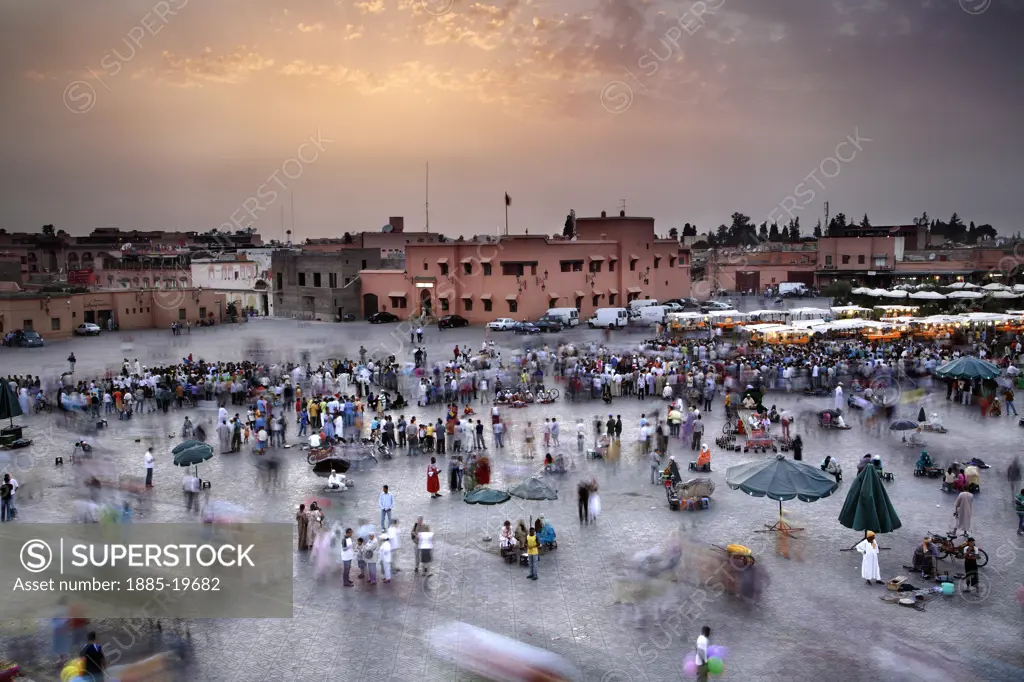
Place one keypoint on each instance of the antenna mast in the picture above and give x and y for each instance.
(292, 195)
(826, 218)
(623, 206)
(428, 197)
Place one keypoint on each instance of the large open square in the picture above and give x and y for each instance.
(815, 619)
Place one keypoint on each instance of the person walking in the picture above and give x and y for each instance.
(433, 482)
(348, 553)
(583, 502)
(698, 433)
(1008, 399)
(387, 503)
(1018, 503)
(149, 461)
(701, 658)
(385, 558)
(71, 363)
(394, 536)
(869, 564)
(371, 558)
(6, 499)
(532, 552)
(655, 461)
(963, 510)
(970, 565)
(499, 434)
(415, 534)
(555, 428)
(425, 543)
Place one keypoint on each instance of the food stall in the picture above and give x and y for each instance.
(809, 314)
(765, 316)
(686, 322)
(727, 319)
(934, 327)
(845, 312)
(778, 334)
(890, 311)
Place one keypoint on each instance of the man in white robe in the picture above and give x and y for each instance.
(869, 564)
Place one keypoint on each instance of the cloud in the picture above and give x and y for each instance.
(370, 6)
(209, 68)
(311, 28)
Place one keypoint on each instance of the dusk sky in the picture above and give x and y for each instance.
(171, 115)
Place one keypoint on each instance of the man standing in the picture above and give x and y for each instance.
(387, 502)
(385, 558)
(698, 433)
(416, 540)
(532, 553)
(554, 432)
(347, 554)
(6, 498)
(702, 654)
(394, 536)
(371, 558)
(148, 460)
(71, 362)
(93, 658)
(583, 502)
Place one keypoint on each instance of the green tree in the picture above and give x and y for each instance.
(817, 230)
(865, 223)
(762, 233)
(794, 231)
(673, 234)
(773, 233)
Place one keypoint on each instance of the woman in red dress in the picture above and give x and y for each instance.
(433, 482)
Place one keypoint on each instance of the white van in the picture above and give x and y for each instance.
(569, 317)
(608, 318)
(641, 303)
(648, 316)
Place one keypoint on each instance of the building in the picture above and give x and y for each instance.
(612, 260)
(55, 316)
(392, 240)
(243, 277)
(321, 286)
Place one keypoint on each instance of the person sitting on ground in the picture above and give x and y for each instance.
(949, 479)
(973, 476)
(925, 556)
(773, 415)
(520, 533)
(545, 533)
(186, 428)
(840, 422)
(876, 461)
(826, 418)
(548, 461)
(924, 462)
(960, 483)
(314, 440)
(506, 539)
(704, 458)
(335, 481)
(864, 461)
(831, 465)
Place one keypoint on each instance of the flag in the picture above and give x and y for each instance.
(508, 199)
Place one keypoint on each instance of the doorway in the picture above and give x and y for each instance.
(90, 316)
(426, 305)
(369, 304)
(265, 305)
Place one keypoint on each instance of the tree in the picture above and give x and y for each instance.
(773, 233)
(722, 235)
(347, 238)
(987, 232)
(785, 233)
(762, 233)
(794, 231)
(865, 224)
(673, 234)
(48, 230)
(817, 230)
(689, 230)
(923, 220)
(837, 225)
(972, 234)
(569, 230)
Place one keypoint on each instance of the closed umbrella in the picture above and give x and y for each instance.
(781, 479)
(967, 368)
(9, 406)
(533, 489)
(486, 496)
(867, 506)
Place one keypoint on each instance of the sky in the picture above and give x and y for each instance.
(320, 116)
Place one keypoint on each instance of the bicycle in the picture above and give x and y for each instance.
(42, 406)
(948, 546)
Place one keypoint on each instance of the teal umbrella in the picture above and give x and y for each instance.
(867, 505)
(534, 489)
(968, 368)
(9, 405)
(781, 479)
(185, 445)
(486, 496)
(192, 456)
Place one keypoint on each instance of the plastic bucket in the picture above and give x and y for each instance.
(947, 589)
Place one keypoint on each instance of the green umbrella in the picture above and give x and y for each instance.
(487, 496)
(781, 479)
(867, 505)
(967, 368)
(534, 489)
(192, 456)
(185, 445)
(9, 405)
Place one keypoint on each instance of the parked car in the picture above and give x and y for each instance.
(452, 321)
(382, 318)
(547, 324)
(525, 328)
(711, 306)
(348, 317)
(28, 339)
(87, 329)
(502, 324)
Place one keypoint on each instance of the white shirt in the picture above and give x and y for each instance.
(385, 552)
(702, 650)
(149, 459)
(394, 537)
(314, 440)
(334, 479)
(426, 540)
(14, 486)
(348, 552)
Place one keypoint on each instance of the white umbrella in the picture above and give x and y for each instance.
(1018, 288)
(995, 286)
(1004, 294)
(929, 295)
(963, 285)
(965, 294)
(860, 291)
(895, 294)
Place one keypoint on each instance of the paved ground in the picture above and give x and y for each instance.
(817, 617)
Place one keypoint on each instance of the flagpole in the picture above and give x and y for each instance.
(506, 215)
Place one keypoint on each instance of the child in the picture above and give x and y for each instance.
(246, 435)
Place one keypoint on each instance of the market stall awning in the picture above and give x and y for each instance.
(928, 295)
(596, 257)
(485, 297)
(634, 290)
(397, 294)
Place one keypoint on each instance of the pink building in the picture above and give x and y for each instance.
(612, 261)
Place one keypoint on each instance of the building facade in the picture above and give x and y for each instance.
(612, 261)
(319, 286)
(244, 278)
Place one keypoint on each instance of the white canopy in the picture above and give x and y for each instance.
(809, 313)
(963, 285)
(685, 316)
(765, 313)
(1004, 294)
(964, 294)
(762, 328)
(895, 293)
(849, 309)
(727, 313)
(806, 324)
(1019, 288)
(905, 308)
(860, 291)
(995, 286)
(928, 295)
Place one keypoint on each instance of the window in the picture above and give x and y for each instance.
(657, 262)
(597, 300)
(279, 277)
(133, 311)
(348, 280)
(55, 323)
(846, 260)
(595, 266)
(445, 305)
(533, 269)
(828, 260)
(74, 315)
(579, 303)
(611, 299)
(444, 268)
(611, 265)
(316, 279)
(467, 305)
(302, 279)
(572, 266)
(398, 302)
(424, 265)
(363, 267)
(512, 269)
(632, 264)
(202, 313)
(181, 313)
(487, 305)
(27, 324)
(513, 306)
(487, 269)
(332, 280)
(671, 261)
(860, 259)
(880, 261)
(467, 268)
(236, 274)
